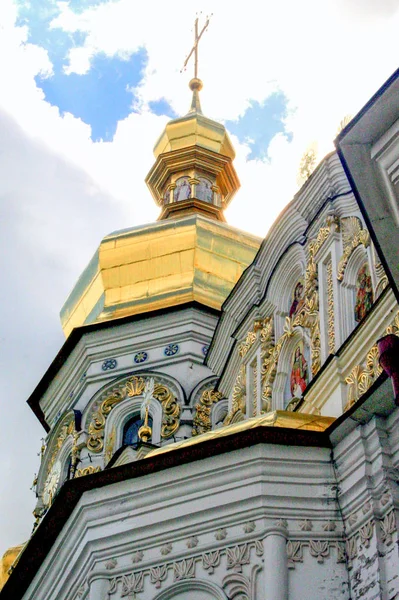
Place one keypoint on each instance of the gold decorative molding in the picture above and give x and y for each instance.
(66, 430)
(133, 387)
(330, 308)
(87, 471)
(202, 417)
(239, 396)
(363, 376)
(110, 446)
(353, 235)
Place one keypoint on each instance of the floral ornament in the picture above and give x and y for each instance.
(166, 549)
(221, 534)
(158, 574)
(137, 556)
(171, 349)
(211, 560)
(109, 364)
(140, 357)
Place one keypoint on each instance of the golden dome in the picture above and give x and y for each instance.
(7, 561)
(197, 149)
(167, 263)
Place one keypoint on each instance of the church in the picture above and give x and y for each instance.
(222, 420)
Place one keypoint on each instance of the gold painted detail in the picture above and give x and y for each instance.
(278, 418)
(308, 316)
(66, 430)
(110, 446)
(255, 389)
(203, 409)
(332, 225)
(330, 308)
(353, 235)
(133, 387)
(87, 471)
(363, 376)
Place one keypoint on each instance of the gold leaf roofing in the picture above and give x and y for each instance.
(156, 266)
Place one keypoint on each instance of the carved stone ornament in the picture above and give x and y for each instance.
(132, 584)
(362, 377)
(351, 550)
(221, 534)
(319, 549)
(134, 386)
(238, 398)
(329, 526)
(388, 528)
(259, 550)
(111, 564)
(249, 527)
(166, 549)
(305, 525)
(237, 556)
(202, 415)
(294, 553)
(184, 569)
(341, 553)
(366, 533)
(192, 542)
(137, 556)
(158, 574)
(353, 235)
(211, 560)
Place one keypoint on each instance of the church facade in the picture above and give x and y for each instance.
(219, 425)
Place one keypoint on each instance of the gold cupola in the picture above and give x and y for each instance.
(190, 254)
(193, 170)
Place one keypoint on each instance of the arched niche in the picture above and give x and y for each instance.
(285, 366)
(58, 448)
(202, 398)
(191, 589)
(289, 271)
(359, 257)
(219, 413)
(119, 400)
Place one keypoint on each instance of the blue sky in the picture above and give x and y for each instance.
(106, 94)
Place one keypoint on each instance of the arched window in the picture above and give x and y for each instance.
(182, 190)
(131, 430)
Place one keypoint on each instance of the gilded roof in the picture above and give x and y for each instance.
(277, 418)
(159, 265)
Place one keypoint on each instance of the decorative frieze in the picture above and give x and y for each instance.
(211, 560)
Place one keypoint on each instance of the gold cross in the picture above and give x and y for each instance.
(194, 49)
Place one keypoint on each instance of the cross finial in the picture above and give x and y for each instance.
(194, 49)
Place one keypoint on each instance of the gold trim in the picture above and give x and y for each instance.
(363, 376)
(278, 418)
(353, 235)
(87, 471)
(203, 409)
(330, 308)
(133, 387)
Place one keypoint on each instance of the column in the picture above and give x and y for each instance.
(275, 563)
(99, 588)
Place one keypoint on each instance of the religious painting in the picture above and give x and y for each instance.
(182, 190)
(166, 196)
(297, 298)
(364, 293)
(204, 190)
(299, 372)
